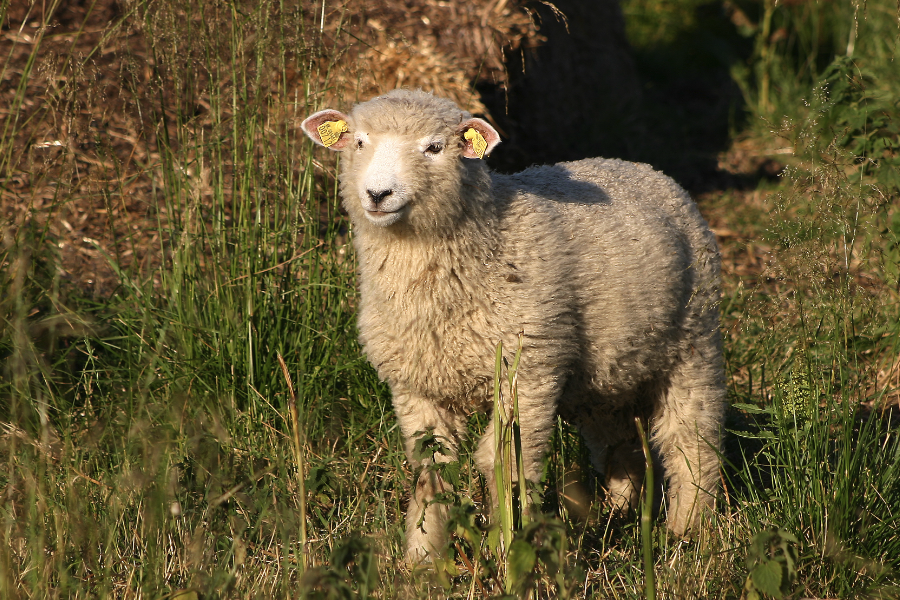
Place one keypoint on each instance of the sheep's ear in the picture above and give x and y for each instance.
(329, 128)
(477, 137)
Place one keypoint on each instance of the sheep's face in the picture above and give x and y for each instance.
(402, 156)
(389, 168)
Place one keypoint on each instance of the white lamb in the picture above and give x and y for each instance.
(606, 266)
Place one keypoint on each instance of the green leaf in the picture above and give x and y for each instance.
(426, 446)
(462, 522)
(522, 559)
(752, 408)
(319, 480)
(449, 472)
(445, 569)
(493, 538)
(750, 435)
(767, 577)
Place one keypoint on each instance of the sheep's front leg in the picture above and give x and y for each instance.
(430, 433)
(537, 413)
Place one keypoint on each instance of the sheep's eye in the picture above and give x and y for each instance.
(434, 148)
(359, 144)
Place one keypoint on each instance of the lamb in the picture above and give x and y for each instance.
(605, 267)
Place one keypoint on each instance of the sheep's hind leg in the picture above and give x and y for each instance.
(435, 431)
(686, 433)
(610, 435)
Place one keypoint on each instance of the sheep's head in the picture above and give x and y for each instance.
(403, 155)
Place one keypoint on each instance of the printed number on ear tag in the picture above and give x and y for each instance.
(330, 132)
(479, 145)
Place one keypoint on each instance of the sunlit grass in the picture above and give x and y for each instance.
(147, 437)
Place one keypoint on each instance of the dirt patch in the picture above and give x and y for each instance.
(103, 101)
(83, 134)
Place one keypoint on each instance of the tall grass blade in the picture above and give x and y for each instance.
(647, 516)
(298, 446)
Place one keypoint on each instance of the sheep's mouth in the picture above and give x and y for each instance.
(385, 218)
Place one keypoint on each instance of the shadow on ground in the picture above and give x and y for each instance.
(586, 92)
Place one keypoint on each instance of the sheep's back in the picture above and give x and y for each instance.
(638, 271)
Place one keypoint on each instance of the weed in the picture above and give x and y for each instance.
(772, 560)
(184, 409)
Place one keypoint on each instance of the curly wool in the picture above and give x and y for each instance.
(605, 267)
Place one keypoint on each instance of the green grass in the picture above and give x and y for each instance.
(146, 433)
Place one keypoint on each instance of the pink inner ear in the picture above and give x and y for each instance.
(311, 123)
(489, 134)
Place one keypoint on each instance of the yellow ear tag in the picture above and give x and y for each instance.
(330, 132)
(478, 143)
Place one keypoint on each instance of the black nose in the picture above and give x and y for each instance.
(378, 196)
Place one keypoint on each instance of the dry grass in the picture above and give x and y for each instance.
(86, 132)
(151, 456)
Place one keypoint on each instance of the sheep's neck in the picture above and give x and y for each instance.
(430, 299)
(406, 270)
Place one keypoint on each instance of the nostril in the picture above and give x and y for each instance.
(378, 196)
